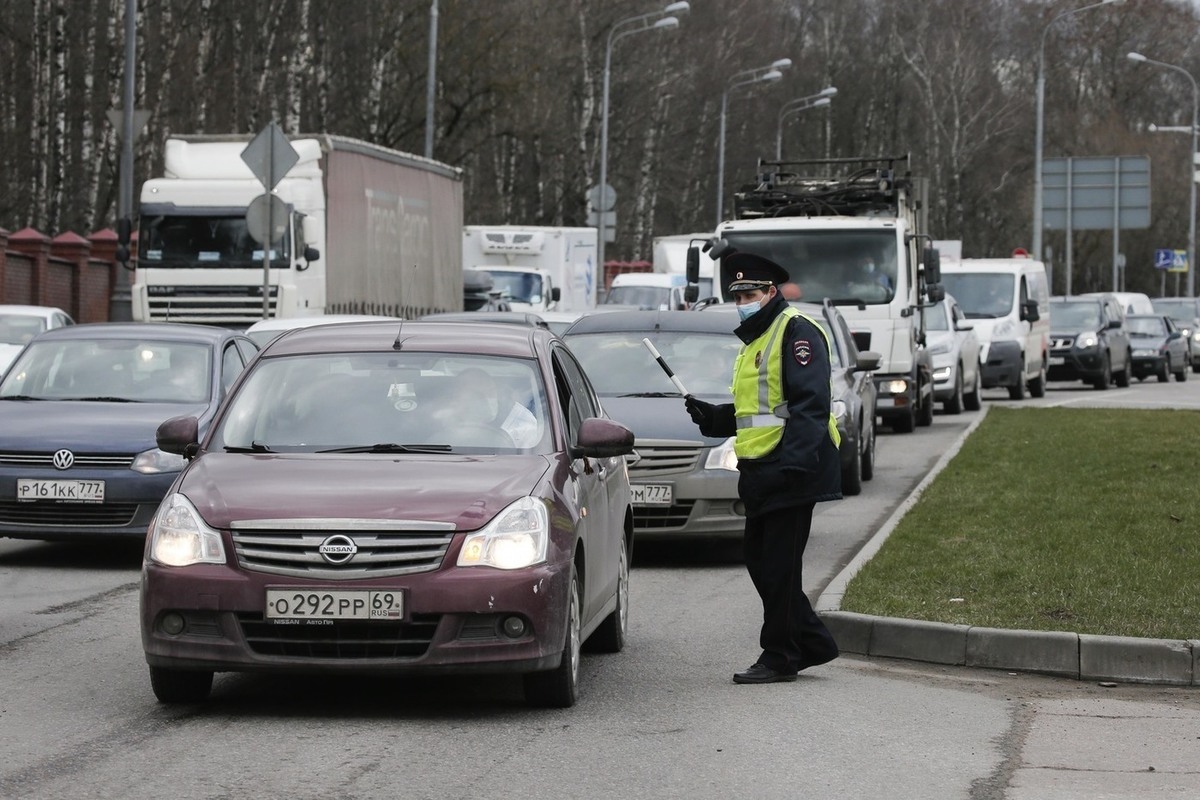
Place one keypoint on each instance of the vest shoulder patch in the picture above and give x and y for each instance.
(802, 350)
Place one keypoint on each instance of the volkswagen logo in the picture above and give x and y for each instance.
(338, 549)
(64, 459)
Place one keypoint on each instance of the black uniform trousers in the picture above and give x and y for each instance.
(793, 636)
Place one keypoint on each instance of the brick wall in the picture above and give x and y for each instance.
(69, 271)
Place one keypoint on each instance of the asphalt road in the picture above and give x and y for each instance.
(661, 720)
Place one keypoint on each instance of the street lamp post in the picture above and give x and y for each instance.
(1041, 101)
(767, 74)
(431, 78)
(1191, 170)
(821, 98)
(655, 20)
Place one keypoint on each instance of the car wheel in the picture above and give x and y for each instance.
(1196, 367)
(925, 411)
(610, 636)
(180, 686)
(1164, 371)
(852, 472)
(973, 400)
(1017, 390)
(1122, 377)
(955, 404)
(906, 422)
(868, 457)
(1105, 379)
(1037, 386)
(559, 687)
(1181, 375)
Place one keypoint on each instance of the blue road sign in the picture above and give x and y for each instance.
(1164, 259)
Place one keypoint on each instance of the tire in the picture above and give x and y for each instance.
(1105, 379)
(868, 457)
(180, 686)
(1196, 367)
(1122, 377)
(955, 404)
(905, 423)
(1181, 375)
(852, 474)
(610, 637)
(1017, 390)
(924, 413)
(1037, 386)
(973, 400)
(559, 687)
(1164, 372)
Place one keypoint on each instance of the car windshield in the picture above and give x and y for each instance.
(935, 318)
(20, 328)
(204, 241)
(619, 364)
(113, 370)
(520, 287)
(651, 298)
(981, 295)
(1075, 316)
(1146, 326)
(1183, 311)
(389, 402)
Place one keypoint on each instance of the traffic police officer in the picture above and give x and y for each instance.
(787, 448)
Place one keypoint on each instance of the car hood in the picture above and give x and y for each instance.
(659, 417)
(1065, 333)
(47, 425)
(465, 490)
(1146, 342)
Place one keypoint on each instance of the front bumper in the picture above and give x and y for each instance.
(1072, 364)
(891, 404)
(704, 502)
(130, 501)
(1147, 365)
(1005, 365)
(452, 622)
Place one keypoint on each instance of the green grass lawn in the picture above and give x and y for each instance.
(1053, 519)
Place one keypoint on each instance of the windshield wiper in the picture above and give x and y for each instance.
(651, 394)
(981, 315)
(850, 301)
(255, 447)
(391, 447)
(105, 399)
(21, 397)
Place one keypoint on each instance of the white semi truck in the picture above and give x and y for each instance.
(537, 268)
(855, 234)
(368, 230)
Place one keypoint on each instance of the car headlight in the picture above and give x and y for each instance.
(940, 348)
(722, 456)
(1005, 330)
(1086, 340)
(179, 537)
(152, 462)
(898, 386)
(516, 538)
(1196, 337)
(1145, 353)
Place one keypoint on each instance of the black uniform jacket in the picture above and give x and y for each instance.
(805, 466)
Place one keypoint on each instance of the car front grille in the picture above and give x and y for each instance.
(43, 459)
(1060, 344)
(659, 518)
(384, 547)
(39, 513)
(341, 640)
(657, 457)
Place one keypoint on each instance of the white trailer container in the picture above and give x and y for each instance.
(369, 231)
(539, 268)
(670, 257)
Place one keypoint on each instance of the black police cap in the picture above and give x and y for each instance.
(747, 271)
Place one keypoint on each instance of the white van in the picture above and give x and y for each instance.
(655, 291)
(1007, 300)
(1131, 302)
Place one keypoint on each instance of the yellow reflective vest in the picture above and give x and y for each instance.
(759, 406)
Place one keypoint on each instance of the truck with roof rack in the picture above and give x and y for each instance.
(367, 230)
(853, 230)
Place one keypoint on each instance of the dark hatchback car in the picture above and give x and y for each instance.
(1089, 342)
(78, 413)
(394, 498)
(1185, 311)
(1159, 347)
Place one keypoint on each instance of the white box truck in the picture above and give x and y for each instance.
(670, 257)
(538, 268)
(368, 230)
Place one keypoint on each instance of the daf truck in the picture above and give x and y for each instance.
(365, 230)
(852, 230)
(537, 268)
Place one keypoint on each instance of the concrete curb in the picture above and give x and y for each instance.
(1123, 659)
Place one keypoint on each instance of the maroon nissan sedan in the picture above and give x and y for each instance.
(394, 498)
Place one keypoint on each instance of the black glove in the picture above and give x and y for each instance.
(702, 413)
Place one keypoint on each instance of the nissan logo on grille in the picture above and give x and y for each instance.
(64, 459)
(338, 549)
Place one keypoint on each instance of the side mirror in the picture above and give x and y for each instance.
(693, 264)
(602, 438)
(933, 265)
(1029, 311)
(936, 292)
(868, 361)
(555, 294)
(691, 293)
(179, 435)
(311, 254)
(1113, 324)
(962, 325)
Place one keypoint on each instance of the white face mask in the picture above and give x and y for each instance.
(747, 310)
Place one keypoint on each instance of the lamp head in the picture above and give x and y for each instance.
(682, 7)
(666, 23)
(782, 63)
(828, 91)
(1138, 57)
(770, 77)
(824, 101)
